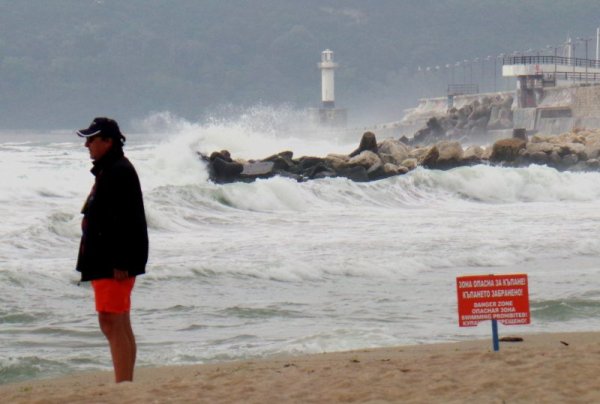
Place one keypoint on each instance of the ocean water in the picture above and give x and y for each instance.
(243, 271)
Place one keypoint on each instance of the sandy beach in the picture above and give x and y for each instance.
(544, 368)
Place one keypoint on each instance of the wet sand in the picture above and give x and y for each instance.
(543, 368)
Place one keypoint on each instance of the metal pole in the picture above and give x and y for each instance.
(471, 72)
(586, 40)
(495, 339)
(451, 72)
(482, 73)
(597, 46)
(495, 73)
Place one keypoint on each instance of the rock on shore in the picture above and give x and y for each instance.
(578, 150)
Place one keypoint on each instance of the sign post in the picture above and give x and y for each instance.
(495, 339)
(503, 298)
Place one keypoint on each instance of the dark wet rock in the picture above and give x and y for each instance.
(431, 133)
(539, 158)
(404, 140)
(223, 155)
(430, 159)
(307, 162)
(319, 170)
(367, 142)
(281, 161)
(226, 171)
(356, 173)
(569, 160)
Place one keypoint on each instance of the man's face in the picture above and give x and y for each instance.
(98, 146)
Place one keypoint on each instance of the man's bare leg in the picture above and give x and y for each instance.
(117, 329)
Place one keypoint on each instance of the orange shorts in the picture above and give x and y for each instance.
(113, 296)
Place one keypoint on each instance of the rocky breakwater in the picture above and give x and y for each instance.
(489, 113)
(578, 151)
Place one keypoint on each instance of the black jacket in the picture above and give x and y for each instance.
(115, 234)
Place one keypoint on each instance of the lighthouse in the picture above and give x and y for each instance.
(327, 67)
(328, 114)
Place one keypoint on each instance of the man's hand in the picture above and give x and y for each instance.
(120, 275)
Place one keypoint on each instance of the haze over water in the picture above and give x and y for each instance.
(248, 270)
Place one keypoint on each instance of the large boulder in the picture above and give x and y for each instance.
(306, 162)
(592, 150)
(223, 171)
(430, 159)
(410, 163)
(392, 169)
(393, 151)
(576, 149)
(569, 160)
(540, 147)
(367, 142)
(444, 155)
(539, 158)
(449, 151)
(313, 167)
(430, 133)
(281, 161)
(356, 173)
(593, 164)
(418, 153)
(507, 150)
(321, 171)
(473, 155)
(337, 161)
(366, 159)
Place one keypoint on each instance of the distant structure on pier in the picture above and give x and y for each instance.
(555, 93)
(328, 114)
(535, 73)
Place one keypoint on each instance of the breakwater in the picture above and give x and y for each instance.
(372, 160)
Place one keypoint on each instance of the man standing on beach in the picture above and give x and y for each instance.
(114, 242)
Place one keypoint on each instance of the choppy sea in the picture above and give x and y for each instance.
(250, 270)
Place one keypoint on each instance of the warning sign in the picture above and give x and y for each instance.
(493, 297)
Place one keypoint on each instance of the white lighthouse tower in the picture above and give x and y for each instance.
(328, 114)
(327, 67)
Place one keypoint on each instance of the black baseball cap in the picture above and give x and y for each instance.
(102, 126)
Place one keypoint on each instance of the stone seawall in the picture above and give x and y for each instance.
(561, 109)
(586, 102)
